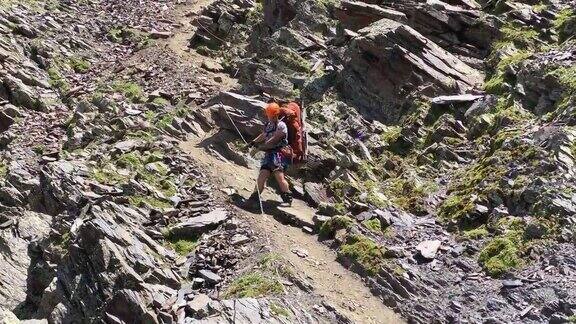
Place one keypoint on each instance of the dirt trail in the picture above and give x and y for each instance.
(178, 42)
(338, 286)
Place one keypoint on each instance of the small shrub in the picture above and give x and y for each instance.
(521, 36)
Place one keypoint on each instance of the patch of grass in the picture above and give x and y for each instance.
(141, 134)
(279, 310)
(182, 246)
(364, 251)
(128, 36)
(3, 169)
(338, 188)
(165, 121)
(456, 206)
(334, 224)
(567, 77)
(275, 264)
(408, 194)
(39, 149)
(254, 285)
(521, 36)
(80, 65)
(495, 83)
(538, 8)
(114, 35)
(130, 90)
(288, 58)
(57, 81)
(107, 175)
(373, 224)
(564, 22)
(476, 233)
(391, 134)
(161, 101)
(499, 256)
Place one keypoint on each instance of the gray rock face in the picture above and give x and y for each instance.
(389, 60)
(244, 111)
(15, 261)
(22, 95)
(278, 13)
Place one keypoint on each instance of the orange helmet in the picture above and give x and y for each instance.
(272, 110)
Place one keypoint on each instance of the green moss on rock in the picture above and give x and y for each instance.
(182, 246)
(499, 256)
(254, 285)
(80, 65)
(373, 225)
(130, 90)
(363, 251)
(334, 224)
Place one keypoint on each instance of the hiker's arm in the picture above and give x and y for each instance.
(258, 139)
(277, 137)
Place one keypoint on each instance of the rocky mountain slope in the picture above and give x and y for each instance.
(442, 143)
(442, 152)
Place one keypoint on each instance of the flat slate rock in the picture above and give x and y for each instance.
(428, 249)
(299, 214)
(198, 224)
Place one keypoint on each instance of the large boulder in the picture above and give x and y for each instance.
(245, 112)
(388, 61)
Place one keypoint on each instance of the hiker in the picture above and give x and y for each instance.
(274, 140)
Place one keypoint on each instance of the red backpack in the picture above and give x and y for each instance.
(291, 114)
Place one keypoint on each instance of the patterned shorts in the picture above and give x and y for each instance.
(274, 161)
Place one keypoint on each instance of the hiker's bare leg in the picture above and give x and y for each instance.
(262, 177)
(282, 182)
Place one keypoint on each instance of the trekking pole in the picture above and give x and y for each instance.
(242, 137)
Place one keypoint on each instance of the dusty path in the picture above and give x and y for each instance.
(336, 285)
(178, 42)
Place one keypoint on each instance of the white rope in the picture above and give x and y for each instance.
(242, 137)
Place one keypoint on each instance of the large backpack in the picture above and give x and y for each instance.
(291, 114)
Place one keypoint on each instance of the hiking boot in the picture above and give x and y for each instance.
(287, 198)
(252, 202)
